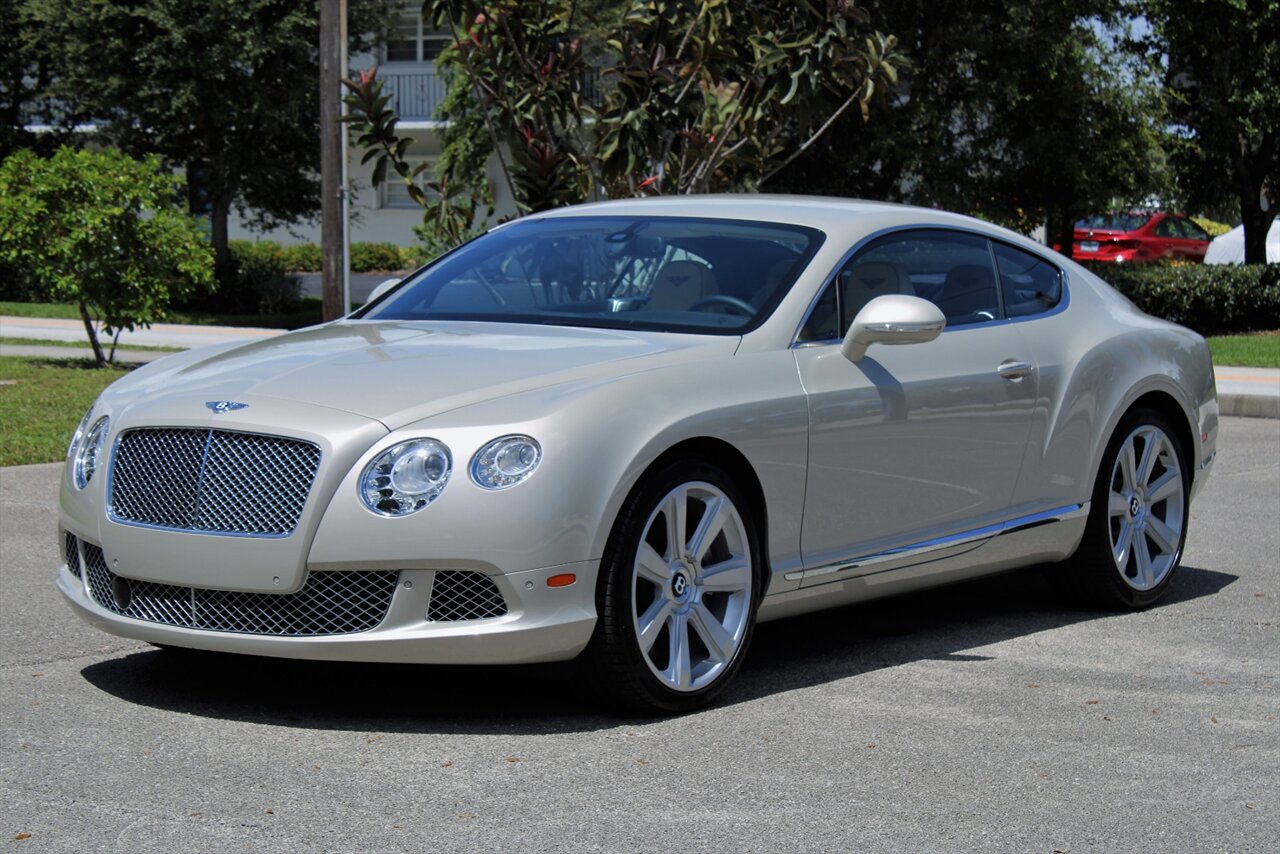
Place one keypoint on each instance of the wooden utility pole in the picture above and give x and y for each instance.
(332, 30)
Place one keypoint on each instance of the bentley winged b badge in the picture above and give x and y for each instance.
(221, 406)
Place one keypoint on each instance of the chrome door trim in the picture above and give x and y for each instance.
(909, 553)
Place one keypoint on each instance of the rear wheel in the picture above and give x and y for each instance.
(678, 591)
(1138, 520)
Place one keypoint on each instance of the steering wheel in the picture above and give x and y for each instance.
(738, 305)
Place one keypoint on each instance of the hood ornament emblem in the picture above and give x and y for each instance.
(221, 406)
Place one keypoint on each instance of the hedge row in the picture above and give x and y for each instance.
(306, 257)
(1209, 298)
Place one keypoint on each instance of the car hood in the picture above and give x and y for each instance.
(400, 372)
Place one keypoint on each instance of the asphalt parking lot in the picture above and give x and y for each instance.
(988, 716)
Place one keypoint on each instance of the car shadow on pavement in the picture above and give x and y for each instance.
(939, 624)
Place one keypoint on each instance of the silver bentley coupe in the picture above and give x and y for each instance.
(629, 431)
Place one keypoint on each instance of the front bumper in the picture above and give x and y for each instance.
(541, 624)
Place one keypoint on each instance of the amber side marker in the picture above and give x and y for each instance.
(562, 580)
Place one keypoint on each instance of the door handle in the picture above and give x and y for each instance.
(1012, 369)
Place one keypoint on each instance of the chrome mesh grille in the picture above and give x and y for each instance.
(464, 595)
(331, 603)
(218, 481)
(71, 552)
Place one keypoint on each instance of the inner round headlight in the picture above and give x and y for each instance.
(505, 462)
(406, 477)
(88, 454)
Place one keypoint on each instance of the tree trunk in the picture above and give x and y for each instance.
(1257, 223)
(93, 336)
(218, 231)
(1061, 229)
(1249, 164)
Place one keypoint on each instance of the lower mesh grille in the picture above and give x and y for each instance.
(71, 552)
(331, 603)
(464, 595)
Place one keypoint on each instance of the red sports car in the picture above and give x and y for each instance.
(1139, 236)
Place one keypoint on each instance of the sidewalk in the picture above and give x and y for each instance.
(1248, 392)
(159, 335)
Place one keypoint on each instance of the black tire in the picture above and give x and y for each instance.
(626, 673)
(1105, 582)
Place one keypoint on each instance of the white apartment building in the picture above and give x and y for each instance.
(406, 66)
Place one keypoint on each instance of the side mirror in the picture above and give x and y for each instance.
(382, 289)
(892, 319)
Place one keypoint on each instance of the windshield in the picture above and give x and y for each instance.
(673, 274)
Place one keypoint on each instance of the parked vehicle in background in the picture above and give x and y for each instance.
(1139, 236)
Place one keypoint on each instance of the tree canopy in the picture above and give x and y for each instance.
(227, 89)
(1025, 114)
(104, 231)
(1223, 76)
(692, 95)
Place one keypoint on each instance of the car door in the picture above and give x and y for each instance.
(1170, 243)
(915, 443)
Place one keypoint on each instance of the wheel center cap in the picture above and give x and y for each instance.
(1135, 505)
(680, 585)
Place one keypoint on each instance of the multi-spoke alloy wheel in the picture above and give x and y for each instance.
(1138, 521)
(1146, 508)
(691, 597)
(678, 590)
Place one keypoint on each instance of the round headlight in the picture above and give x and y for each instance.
(505, 462)
(88, 454)
(79, 434)
(406, 477)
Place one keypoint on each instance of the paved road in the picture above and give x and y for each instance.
(985, 717)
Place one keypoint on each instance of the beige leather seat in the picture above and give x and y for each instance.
(679, 284)
(865, 281)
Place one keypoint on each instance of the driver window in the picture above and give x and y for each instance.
(951, 269)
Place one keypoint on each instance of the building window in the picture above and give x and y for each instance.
(394, 194)
(413, 40)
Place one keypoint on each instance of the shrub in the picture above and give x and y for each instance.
(376, 257)
(302, 257)
(103, 231)
(1209, 298)
(365, 257)
(1215, 229)
(255, 281)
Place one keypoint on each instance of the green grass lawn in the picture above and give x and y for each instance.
(82, 345)
(311, 314)
(42, 401)
(1260, 350)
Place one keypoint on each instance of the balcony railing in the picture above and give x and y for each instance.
(415, 97)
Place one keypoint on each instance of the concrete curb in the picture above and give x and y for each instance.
(1249, 405)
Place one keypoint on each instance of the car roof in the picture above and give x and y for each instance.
(815, 211)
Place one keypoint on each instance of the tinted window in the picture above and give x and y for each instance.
(660, 273)
(1114, 221)
(1030, 285)
(1191, 231)
(951, 269)
(1168, 228)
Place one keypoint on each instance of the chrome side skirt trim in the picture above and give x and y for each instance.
(921, 549)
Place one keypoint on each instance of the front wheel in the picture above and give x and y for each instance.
(678, 591)
(1138, 521)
